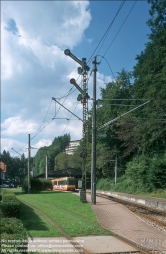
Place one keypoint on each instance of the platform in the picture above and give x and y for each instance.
(144, 200)
(113, 217)
(90, 244)
(118, 219)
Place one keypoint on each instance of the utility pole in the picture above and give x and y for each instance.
(16, 152)
(83, 97)
(29, 156)
(93, 167)
(46, 166)
(84, 132)
(116, 168)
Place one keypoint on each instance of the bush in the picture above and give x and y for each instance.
(10, 206)
(40, 184)
(25, 185)
(13, 236)
(7, 192)
(8, 198)
(37, 185)
(104, 184)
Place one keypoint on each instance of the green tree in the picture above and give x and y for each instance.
(58, 145)
(115, 100)
(145, 134)
(16, 167)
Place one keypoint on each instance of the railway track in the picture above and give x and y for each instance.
(67, 237)
(77, 247)
(155, 216)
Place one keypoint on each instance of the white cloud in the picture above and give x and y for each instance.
(50, 22)
(34, 68)
(15, 125)
(9, 143)
(42, 142)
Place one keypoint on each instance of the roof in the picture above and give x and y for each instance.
(2, 166)
(77, 173)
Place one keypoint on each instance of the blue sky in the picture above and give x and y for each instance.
(34, 35)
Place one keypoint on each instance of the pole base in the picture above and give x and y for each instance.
(83, 196)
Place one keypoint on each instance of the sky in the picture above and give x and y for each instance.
(34, 68)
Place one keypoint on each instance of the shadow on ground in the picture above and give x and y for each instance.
(30, 219)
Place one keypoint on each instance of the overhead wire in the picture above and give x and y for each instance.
(39, 131)
(70, 117)
(120, 27)
(43, 120)
(101, 41)
(108, 65)
(122, 3)
(22, 147)
(107, 31)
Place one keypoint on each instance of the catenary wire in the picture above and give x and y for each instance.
(115, 37)
(51, 120)
(108, 64)
(120, 27)
(43, 120)
(70, 118)
(112, 24)
(106, 33)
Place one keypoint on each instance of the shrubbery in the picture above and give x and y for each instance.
(104, 184)
(13, 236)
(142, 174)
(37, 185)
(10, 206)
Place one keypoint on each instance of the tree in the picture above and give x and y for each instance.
(150, 79)
(157, 20)
(145, 134)
(115, 100)
(58, 145)
(16, 167)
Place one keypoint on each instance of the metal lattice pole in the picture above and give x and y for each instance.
(84, 130)
(83, 97)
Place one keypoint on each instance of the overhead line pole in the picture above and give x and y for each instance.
(84, 132)
(46, 166)
(116, 168)
(83, 97)
(93, 167)
(29, 156)
(67, 109)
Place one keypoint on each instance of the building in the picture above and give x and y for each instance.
(2, 171)
(72, 147)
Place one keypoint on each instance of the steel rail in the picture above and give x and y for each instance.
(140, 249)
(75, 244)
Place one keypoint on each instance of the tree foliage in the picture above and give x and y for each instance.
(16, 167)
(139, 138)
(136, 103)
(58, 146)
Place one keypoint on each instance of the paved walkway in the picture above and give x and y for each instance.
(114, 217)
(117, 218)
(90, 244)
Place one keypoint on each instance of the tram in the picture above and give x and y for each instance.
(64, 183)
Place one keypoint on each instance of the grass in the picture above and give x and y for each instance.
(76, 218)
(157, 194)
(36, 223)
